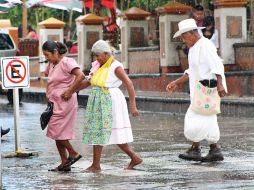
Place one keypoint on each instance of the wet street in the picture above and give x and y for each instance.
(158, 138)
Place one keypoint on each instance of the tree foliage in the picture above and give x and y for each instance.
(150, 5)
(35, 15)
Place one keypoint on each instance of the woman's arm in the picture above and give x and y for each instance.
(79, 77)
(120, 73)
(84, 84)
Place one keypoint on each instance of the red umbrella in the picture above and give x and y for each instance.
(106, 3)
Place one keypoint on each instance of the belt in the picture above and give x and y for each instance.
(211, 83)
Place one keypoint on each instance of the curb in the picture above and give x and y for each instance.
(230, 107)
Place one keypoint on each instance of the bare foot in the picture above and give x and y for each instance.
(92, 169)
(135, 161)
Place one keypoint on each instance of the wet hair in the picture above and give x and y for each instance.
(50, 46)
(199, 8)
(209, 20)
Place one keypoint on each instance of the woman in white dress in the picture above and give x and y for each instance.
(210, 32)
(107, 119)
(205, 66)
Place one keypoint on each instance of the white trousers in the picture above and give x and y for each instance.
(199, 127)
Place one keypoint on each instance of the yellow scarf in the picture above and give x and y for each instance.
(99, 78)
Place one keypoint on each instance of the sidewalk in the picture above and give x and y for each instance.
(163, 102)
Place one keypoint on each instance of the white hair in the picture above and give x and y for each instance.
(101, 46)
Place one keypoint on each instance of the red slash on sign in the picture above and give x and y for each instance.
(15, 74)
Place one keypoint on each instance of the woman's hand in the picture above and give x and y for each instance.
(134, 111)
(66, 95)
(172, 87)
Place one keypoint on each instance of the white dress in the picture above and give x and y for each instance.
(204, 63)
(215, 38)
(121, 126)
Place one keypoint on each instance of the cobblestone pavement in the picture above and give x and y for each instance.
(157, 137)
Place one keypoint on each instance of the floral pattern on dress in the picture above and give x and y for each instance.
(98, 118)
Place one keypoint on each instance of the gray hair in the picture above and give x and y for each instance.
(101, 46)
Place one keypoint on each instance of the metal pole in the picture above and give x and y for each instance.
(16, 119)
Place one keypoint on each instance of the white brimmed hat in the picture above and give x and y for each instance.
(185, 26)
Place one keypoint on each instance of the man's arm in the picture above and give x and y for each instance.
(174, 85)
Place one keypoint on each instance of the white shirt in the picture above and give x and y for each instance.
(204, 63)
(215, 38)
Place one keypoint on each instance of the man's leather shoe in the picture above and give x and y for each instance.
(213, 155)
(194, 153)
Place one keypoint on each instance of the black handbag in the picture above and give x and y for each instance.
(45, 116)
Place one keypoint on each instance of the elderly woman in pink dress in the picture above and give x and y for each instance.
(64, 77)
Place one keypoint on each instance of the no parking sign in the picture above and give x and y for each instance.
(15, 72)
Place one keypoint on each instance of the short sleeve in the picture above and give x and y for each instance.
(186, 72)
(70, 64)
(116, 64)
(47, 69)
(212, 59)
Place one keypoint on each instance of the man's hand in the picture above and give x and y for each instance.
(220, 87)
(221, 90)
(172, 87)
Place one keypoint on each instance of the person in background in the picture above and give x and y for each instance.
(64, 77)
(206, 66)
(9, 95)
(3, 131)
(209, 31)
(107, 120)
(198, 15)
(31, 33)
(67, 33)
(72, 49)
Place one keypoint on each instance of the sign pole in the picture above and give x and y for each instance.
(16, 119)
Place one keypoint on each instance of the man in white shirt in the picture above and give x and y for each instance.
(206, 66)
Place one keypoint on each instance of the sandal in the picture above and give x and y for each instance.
(71, 160)
(61, 168)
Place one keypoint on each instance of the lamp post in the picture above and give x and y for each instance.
(24, 19)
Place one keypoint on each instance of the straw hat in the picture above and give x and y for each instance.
(185, 26)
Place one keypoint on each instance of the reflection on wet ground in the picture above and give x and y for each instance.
(158, 138)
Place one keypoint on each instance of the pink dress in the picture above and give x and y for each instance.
(62, 122)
